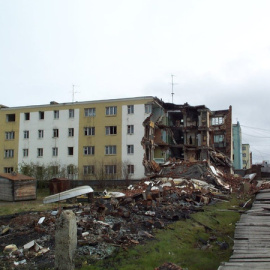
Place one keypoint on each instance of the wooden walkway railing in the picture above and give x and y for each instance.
(252, 237)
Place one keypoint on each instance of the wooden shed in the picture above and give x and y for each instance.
(17, 187)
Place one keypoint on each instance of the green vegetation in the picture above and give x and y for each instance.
(183, 243)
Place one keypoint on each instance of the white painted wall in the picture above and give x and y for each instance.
(48, 142)
(135, 119)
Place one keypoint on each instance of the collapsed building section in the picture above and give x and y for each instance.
(185, 132)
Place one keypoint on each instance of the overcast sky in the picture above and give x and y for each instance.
(218, 50)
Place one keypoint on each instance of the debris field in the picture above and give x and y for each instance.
(118, 220)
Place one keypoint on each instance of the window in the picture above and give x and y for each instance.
(10, 117)
(244, 154)
(89, 169)
(244, 162)
(55, 133)
(112, 110)
(56, 114)
(110, 149)
(25, 152)
(9, 153)
(244, 148)
(10, 135)
(71, 132)
(71, 113)
(41, 115)
(218, 138)
(130, 169)
(110, 130)
(40, 152)
(130, 149)
(90, 112)
(55, 151)
(130, 129)
(8, 169)
(89, 150)
(70, 151)
(26, 134)
(70, 169)
(130, 109)
(54, 170)
(89, 131)
(27, 116)
(217, 121)
(40, 133)
(110, 169)
(148, 108)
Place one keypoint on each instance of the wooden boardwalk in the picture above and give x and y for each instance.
(252, 237)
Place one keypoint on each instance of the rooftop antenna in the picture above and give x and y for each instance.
(172, 87)
(73, 91)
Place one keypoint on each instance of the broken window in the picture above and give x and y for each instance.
(26, 134)
(89, 131)
(40, 152)
(56, 114)
(71, 113)
(8, 153)
(111, 130)
(89, 169)
(218, 138)
(130, 129)
(41, 115)
(70, 132)
(25, 152)
(55, 133)
(90, 112)
(10, 135)
(55, 151)
(217, 121)
(130, 149)
(10, 117)
(130, 109)
(70, 151)
(110, 150)
(89, 150)
(130, 169)
(112, 110)
(110, 169)
(8, 169)
(148, 108)
(27, 116)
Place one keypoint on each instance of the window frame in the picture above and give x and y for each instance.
(55, 133)
(41, 133)
(89, 150)
(90, 112)
(110, 150)
(130, 129)
(70, 132)
(88, 170)
(71, 113)
(110, 169)
(111, 110)
(130, 109)
(25, 152)
(10, 135)
(130, 149)
(8, 153)
(56, 114)
(89, 131)
(111, 130)
(40, 152)
(55, 151)
(26, 134)
(70, 150)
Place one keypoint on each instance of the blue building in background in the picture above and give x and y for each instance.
(237, 147)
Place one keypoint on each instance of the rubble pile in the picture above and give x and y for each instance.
(108, 223)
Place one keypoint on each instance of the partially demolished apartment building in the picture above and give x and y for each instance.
(184, 132)
(112, 139)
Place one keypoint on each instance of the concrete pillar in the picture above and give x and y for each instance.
(65, 241)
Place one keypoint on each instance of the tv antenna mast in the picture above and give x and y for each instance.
(172, 83)
(73, 91)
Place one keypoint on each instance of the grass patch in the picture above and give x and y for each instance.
(182, 243)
